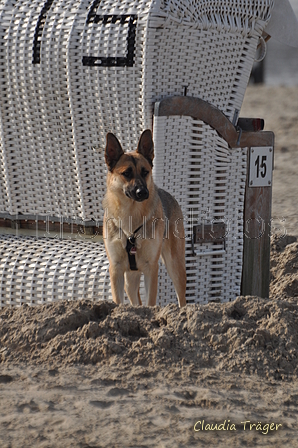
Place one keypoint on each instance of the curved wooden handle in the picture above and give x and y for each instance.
(209, 114)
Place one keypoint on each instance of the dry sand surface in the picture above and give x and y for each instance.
(77, 374)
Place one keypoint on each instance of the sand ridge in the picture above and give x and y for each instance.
(250, 335)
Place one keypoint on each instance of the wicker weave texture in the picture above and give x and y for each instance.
(69, 75)
(37, 271)
(208, 180)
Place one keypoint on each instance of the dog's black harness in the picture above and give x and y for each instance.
(132, 250)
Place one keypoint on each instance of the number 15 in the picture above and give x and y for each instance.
(261, 166)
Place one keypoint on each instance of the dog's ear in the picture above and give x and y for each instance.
(113, 151)
(146, 147)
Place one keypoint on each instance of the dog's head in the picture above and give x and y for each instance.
(130, 172)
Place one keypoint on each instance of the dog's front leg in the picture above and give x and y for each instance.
(151, 284)
(117, 284)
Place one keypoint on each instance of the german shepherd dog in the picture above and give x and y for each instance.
(141, 223)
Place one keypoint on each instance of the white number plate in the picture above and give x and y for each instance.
(260, 166)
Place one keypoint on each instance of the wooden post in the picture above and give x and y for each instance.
(256, 251)
(256, 234)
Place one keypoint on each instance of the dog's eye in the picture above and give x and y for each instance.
(144, 172)
(127, 174)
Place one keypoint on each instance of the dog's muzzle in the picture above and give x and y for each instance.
(142, 194)
(139, 193)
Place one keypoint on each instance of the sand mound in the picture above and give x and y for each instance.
(284, 267)
(249, 335)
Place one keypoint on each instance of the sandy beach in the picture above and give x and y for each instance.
(77, 374)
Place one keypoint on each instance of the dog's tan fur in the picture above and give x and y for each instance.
(162, 233)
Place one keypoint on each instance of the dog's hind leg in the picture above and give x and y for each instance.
(131, 285)
(140, 300)
(174, 259)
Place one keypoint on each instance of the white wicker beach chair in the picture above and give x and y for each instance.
(73, 70)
